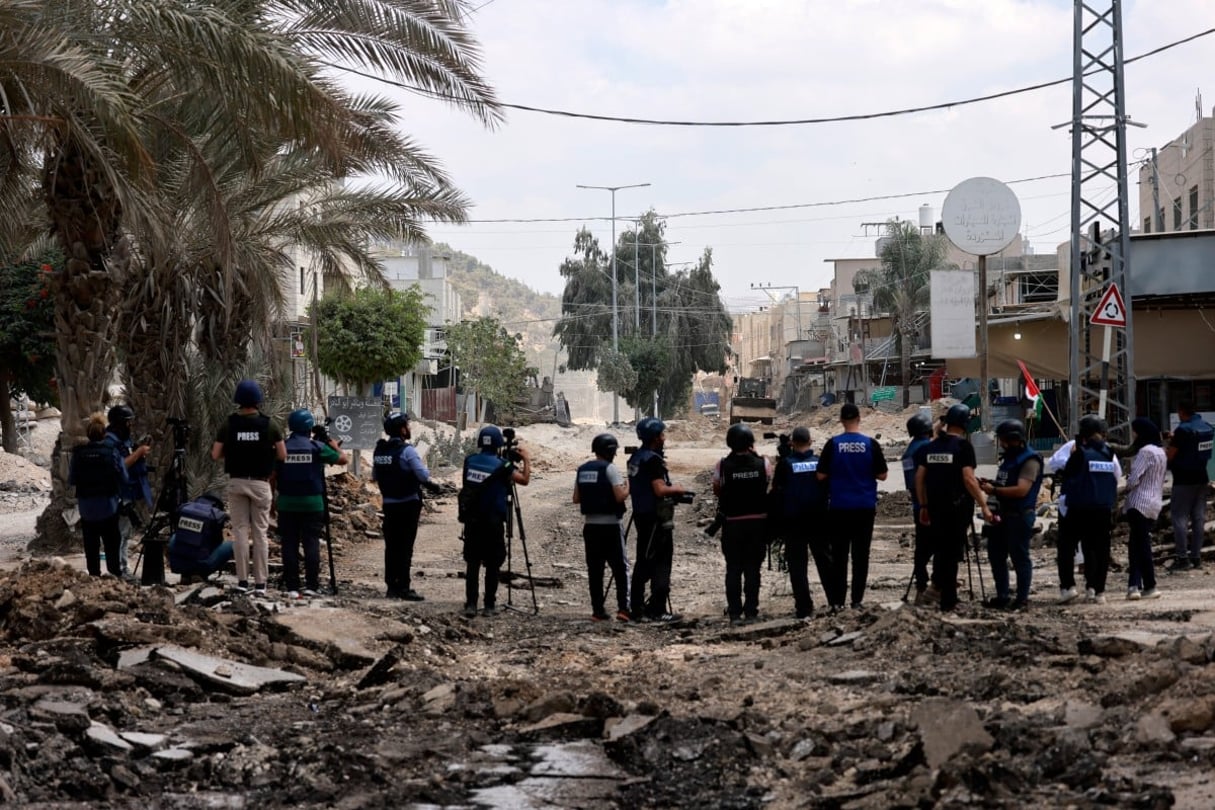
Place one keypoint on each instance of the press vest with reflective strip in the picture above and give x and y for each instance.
(1194, 451)
(596, 495)
(851, 482)
(909, 464)
(394, 482)
(802, 492)
(485, 470)
(744, 485)
(94, 471)
(248, 450)
(1097, 484)
(642, 491)
(303, 472)
(1009, 474)
(199, 531)
(943, 471)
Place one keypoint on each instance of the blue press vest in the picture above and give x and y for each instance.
(93, 471)
(802, 494)
(480, 468)
(199, 531)
(1194, 451)
(943, 472)
(642, 491)
(1010, 473)
(394, 482)
(744, 485)
(595, 492)
(137, 487)
(1097, 485)
(248, 451)
(303, 473)
(909, 465)
(851, 482)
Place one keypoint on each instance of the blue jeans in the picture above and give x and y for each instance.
(1011, 539)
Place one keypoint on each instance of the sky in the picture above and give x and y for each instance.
(745, 60)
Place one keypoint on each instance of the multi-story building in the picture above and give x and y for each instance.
(1177, 182)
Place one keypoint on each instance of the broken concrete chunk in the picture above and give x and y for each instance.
(232, 676)
(104, 735)
(948, 727)
(1153, 729)
(1079, 714)
(1193, 714)
(174, 755)
(854, 677)
(141, 739)
(1109, 646)
(615, 728)
(846, 638)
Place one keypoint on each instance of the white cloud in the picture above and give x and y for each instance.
(756, 59)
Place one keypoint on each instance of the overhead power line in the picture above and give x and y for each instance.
(833, 119)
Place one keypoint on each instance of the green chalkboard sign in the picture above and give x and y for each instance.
(883, 394)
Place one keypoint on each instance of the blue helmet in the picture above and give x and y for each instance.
(301, 421)
(490, 437)
(248, 394)
(650, 428)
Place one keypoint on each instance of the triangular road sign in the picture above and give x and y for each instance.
(1111, 311)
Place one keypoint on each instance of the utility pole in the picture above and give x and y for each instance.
(615, 309)
(1157, 211)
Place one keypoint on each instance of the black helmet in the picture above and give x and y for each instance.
(650, 428)
(490, 437)
(739, 437)
(394, 422)
(120, 414)
(1091, 424)
(1011, 430)
(605, 445)
(957, 415)
(919, 425)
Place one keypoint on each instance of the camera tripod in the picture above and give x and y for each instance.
(174, 491)
(514, 516)
(970, 547)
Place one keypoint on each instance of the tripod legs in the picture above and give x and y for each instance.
(514, 516)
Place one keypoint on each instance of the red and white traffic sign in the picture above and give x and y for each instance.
(1111, 311)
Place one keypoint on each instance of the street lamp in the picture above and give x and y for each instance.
(615, 318)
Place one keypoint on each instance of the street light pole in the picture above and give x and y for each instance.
(615, 312)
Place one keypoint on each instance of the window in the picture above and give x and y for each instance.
(1194, 208)
(302, 290)
(1147, 224)
(1177, 214)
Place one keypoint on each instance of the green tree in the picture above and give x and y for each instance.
(900, 286)
(27, 338)
(370, 335)
(490, 360)
(681, 312)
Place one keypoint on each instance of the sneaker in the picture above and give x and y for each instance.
(1090, 594)
(667, 618)
(470, 611)
(997, 603)
(413, 596)
(623, 616)
(1099, 599)
(1151, 593)
(1177, 564)
(259, 589)
(293, 595)
(241, 587)
(309, 593)
(644, 618)
(735, 621)
(600, 616)
(1018, 606)
(1196, 564)
(489, 611)
(1133, 594)
(1067, 595)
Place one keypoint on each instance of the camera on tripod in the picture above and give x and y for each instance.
(784, 444)
(181, 431)
(510, 444)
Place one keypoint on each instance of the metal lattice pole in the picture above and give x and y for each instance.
(1101, 368)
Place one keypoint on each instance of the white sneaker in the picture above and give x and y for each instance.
(1090, 594)
(309, 593)
(293, 595)
(1099, 599)
(1151, 593)
(1067, 595)
(1133, 594)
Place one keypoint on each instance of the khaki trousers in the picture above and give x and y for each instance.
(249, 509)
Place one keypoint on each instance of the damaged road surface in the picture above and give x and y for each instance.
(202, 697)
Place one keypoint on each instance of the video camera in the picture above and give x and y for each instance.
(181, 431)
(989, 530)
(510, 444)
(320, 432)
(684, 498)
(784, 444)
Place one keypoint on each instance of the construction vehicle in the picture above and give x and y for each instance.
(751, 402)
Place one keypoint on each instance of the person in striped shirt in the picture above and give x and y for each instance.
(1144, 500)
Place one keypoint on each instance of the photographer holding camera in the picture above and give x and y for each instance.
(1016, 492)
(800, 502)
(137, 489)
(400, 473)
(654, 499)
(486, 485)
(740, 482)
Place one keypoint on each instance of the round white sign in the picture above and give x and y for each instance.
(981, 216)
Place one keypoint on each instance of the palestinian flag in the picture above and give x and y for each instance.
(1032, 392)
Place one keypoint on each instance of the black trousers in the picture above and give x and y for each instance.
(605, 546)
(652, 566)
(805, 538)
(744, 544)
(296, 530)
(400, 527)
(922, 554)
(484, 545)
(96, 534)
(1141, 572)
(1065, 551)
(851, 533)
(1092, 527)
(948, 535)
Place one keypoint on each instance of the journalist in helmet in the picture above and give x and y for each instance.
(137, 492)
(300, 480)
(600, 491)
(1016, 492)
(919, 431)
(800, 501)
(1090, 480)
(250, 443)
(400, 473)
(98, 473)
(740, 482)
(654, 499)
(486, 487)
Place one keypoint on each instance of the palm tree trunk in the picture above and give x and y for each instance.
(86, 217)
(8, 425)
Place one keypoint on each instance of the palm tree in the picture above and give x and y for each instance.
(93, 86)
(900, 286)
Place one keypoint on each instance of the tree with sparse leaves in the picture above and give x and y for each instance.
(490, 361)
(370, 335)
